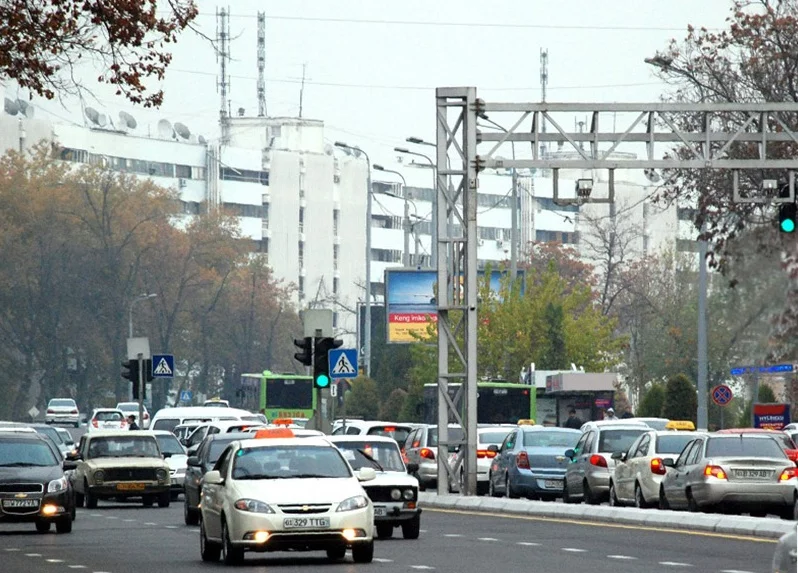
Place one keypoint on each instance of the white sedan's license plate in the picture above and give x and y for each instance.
(306, 522)
(380, 511)
(552, 484)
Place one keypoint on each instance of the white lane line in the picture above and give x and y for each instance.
(735, 571)
(528, 543)
(171, 527)
(150, 523)
(95, 515)
(33, 555)
(452, 535)
(487, 538)
(54, 560)
(627, 557)
(111, 517)
(128, 520)
(574, 550)
(423, 530)
(11, 549)
(675, 564)
(77, 566)
(424, 567)
(381, 560)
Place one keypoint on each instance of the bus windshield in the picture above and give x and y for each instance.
(497, 403)
(289, 394)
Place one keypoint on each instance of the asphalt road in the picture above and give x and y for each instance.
(126, 538)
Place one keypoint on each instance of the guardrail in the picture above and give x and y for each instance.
(665, 519)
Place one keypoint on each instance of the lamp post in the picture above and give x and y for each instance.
(434, 230)
(367, 333)
(406, 219)
(130, 311)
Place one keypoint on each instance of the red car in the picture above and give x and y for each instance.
(784, 440)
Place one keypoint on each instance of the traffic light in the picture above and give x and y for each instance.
(788, 212)
(306, 356)
(131, 372)
(321, 365)
(148, 377)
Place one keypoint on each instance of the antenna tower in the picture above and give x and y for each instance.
(544, 81)
(302, 90)
(223, 57)
(261, 64)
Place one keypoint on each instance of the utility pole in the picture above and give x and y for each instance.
(703, 415)
(140, 359)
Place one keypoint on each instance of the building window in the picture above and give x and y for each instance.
(301, 254)
(244, 175)
(548, 204)
(265, 216)
(557, 237)
(386, 255)
(336, 249)
(190, 207)
(686, 246)
(335, 286)
(336, 219)
(686, 214)
(301, 287)
(183, 171)
(301, 219)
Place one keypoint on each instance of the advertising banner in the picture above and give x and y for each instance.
(411, 304)
(771, 416)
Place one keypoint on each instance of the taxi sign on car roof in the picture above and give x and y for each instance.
(274, 433)
(526, 422)
(282, 422)
(684, 425)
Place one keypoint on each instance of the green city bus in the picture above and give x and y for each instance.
(497, 402)
(277, 395)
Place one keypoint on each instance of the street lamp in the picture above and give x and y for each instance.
(367, 333)
(406, 220)
(419, 141)
(130, 311)
(434, 230)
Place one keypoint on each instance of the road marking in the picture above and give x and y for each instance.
(111, 517)
(128, 520)
(171, 527)
(54, 560)
(452, 535)
(735, 571)
(425, 567)
(603, 524)
(77, 566)
(33, 555)
(675, 564)
(150, 523)
(574, 550)
(423, 530)
(380, 560)
(487, 538)
(528, 543)
(628, 557)
(11, 549)
(95, 515)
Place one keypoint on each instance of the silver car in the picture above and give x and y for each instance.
(784, 559)
(745, 472)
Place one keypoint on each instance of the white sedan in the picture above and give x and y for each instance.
(285, 494)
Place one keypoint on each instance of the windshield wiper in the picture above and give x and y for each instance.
(312, 476)
(372, 460)
(21, 465)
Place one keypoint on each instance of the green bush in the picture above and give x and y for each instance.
(652, 402)
(681, 402)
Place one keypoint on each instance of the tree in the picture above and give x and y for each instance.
(392, 407)
(681, 402)
(43, 42)
(363, 400)
(653, 401)
(765, 396)
(554, 357)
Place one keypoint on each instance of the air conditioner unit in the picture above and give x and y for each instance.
(481, 242)
(181, 182)
(336, 178)
(499, 243)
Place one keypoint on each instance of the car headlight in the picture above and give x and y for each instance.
(396, 494)
(408, 494)
(99, 476)
(161, 474)
(352, 503)
(253, 506)
(57, 485)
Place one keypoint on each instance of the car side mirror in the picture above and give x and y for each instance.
(70, 465)
(412, 468)
(668, 463)
(193, 461)
(619, 456)
(366, 474)
(493, 448)
(183, 441)
(214, 478)
(570, 454)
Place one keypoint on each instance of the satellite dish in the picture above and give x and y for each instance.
(193, 138)
(202, 140)
(26, 108)
(165, 129)
(92, 114)
(10, 106)
(328, 149)
(102, 120)
(182, 130)
(652, 175)
(127, 120)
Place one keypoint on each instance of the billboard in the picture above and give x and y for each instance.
(410, 304)
(771, 416)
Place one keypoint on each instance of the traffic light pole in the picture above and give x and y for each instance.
(140, 358)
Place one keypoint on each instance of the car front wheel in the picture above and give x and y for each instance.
(209, 551)
(363, 552)
(231, 555)
(412, 527)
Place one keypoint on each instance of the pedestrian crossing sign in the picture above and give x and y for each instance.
(343, 363)
(163, 365)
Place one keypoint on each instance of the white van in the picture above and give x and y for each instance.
(169, 418)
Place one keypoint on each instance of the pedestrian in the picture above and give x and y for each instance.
(627, 413)
(610, 415)
(573, 420)
(131, 422)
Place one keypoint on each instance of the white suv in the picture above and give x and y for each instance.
(284, 494)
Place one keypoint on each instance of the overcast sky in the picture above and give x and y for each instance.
(371, 67)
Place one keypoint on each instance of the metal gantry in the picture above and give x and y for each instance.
(654, 127)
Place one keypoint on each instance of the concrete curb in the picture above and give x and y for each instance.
(766, 528)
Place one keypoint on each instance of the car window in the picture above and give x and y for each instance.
(109, 416)
(352, 430)
(580, 445)
(550, 439)
(432, 436)
(338, 431)
(285, 462)
(618, 440)
(759, 447)
(123, 446)
(216, 449)
(696, 453)
(642, 447)
(168, 424)
(590, 442)
(672, 444)
(223, 463)
(688, 449)
(169, 444)
(509, 442)
(51, 433)
(496, 437)
(26, 453)
(62, 403)
(398, 433)
(385, 454)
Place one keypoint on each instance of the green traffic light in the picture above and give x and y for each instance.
(322, 381)
(788, 226)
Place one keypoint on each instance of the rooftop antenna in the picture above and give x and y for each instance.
(223, 56)
(302, 89)
(544, 81)
(261, 64)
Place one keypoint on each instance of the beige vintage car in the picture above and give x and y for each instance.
(118, 465)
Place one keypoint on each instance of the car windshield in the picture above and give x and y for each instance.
(496, 437)
(656, 424)
(169, 444)
(618, 440)
(109, 416)
(398, 433)
(289, 462)
(753, 446)
(216, 449)
(61, 404)
(672, 444)
(26, 453)
(51, 433)
(550, 439)
(123, 447)
(132, 407)
(386, 455)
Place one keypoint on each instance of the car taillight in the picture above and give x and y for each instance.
(714, 471)
(657, 467)
(427, 453)
(486, 454)
(522, 461)
(50, 411)
(146, 416)
(74, 412)
(788, 474)
(598, 461)
(94, 423)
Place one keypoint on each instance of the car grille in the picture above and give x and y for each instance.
(306, 509)
(129, 474)
(21, 488)
(383, 493)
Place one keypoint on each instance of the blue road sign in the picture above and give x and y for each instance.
(185, 395)
(774, 369)
(721, 394)
(163, 365)
(343, 363)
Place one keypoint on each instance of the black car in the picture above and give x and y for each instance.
(33, 487)
(199, 464)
